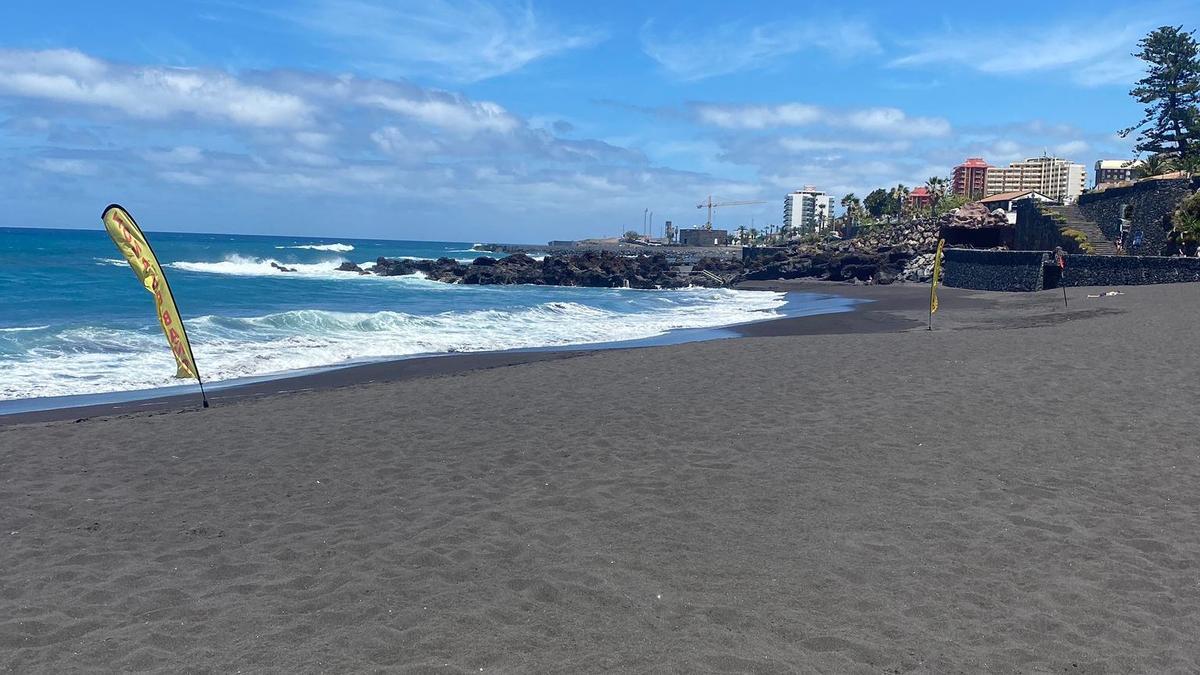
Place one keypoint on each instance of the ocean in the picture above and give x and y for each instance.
(74, 320)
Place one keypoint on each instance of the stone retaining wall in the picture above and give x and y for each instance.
(993, 270)
(1035, 231)
(1151, 203)
(1036, 270)
(1128, 270)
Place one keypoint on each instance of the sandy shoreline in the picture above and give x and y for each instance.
(1015, 491)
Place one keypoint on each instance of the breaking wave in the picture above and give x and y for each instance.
(96, 359)
(336, 248)
(258, 267)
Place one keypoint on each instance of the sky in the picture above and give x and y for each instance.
(489, 120)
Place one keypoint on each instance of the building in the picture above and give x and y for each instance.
(700, 236)
(1115, 170)
(1059, 179)
(970, 178)
(920, 198)
(1007, 202)
(807, 211)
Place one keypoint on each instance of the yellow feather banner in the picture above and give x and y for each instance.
(132, 243)
(937, 275)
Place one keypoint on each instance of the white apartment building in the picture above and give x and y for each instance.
(1059, 179)
(807, 211)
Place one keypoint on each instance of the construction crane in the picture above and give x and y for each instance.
(710, 204)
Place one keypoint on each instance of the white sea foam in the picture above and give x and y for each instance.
(256, 267)
(237, 265)
(336, 248)
(90, 360)
(22, 329)
(111, 261)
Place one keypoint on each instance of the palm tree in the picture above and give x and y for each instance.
(852, 206)
(899, 198)
(1190, 164)
(937, 190)
(1155, 165)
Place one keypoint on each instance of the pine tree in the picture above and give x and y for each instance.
(1170, 91)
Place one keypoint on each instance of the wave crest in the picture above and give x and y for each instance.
(335, 248)
(97, 359)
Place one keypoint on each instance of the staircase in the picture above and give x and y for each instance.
(1076, 221)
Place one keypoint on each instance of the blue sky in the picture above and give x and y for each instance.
(512, 121)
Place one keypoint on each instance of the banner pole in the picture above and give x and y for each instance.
(1060, 259)
(932, 290)
(933, 281)
(203, 397)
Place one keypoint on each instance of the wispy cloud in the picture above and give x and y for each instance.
(453, 113)
(881, 121)
(69, 76)
(70, 167)
(1089, 52)
(698, 53)
(455, 40)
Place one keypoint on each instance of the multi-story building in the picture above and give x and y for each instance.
(970, 178)
(807, 211)
(1059, 179)
(920, 198)
(1115, 170)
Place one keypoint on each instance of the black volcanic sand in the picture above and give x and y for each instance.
(1016, 491)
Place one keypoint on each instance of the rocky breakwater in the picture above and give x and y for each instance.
(591, 269)
(882, 254)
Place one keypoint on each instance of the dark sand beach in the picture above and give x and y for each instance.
(1016, 491)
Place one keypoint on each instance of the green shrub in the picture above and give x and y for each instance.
(1186, 218)
(1074, 241)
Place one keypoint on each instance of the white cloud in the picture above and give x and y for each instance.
(68, 76)
(452, 113)
(800, 144)
(314, 140)
(459, 40)
(692, 53)
(880, 121)
(893, 121)
(185, 178)
(70, 167)
(1091, 53)
(759, 116)
(183, 154)
(394, 141)
(1071, 148)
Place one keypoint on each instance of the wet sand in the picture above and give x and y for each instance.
(1014, 491)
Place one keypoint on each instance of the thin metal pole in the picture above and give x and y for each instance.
(932, 290)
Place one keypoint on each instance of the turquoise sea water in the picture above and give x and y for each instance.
(75, 320)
